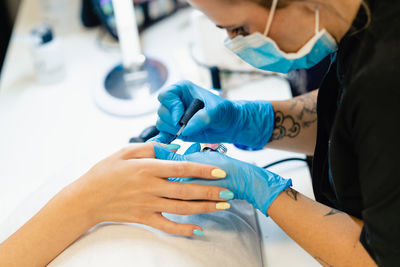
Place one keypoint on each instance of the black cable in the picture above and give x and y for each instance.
(284, 160)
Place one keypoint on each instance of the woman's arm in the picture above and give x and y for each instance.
(128, 186)
(295, 126)
(330, 236)
(48, 233)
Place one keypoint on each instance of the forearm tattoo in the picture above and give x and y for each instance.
(308, 112)
(333, 212)
(290, 126)
(284, 126)
(291, 193)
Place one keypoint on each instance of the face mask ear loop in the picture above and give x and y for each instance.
(316, 20)
(271, 16)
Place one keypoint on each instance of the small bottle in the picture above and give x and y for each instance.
(47, 56)
(220, 148)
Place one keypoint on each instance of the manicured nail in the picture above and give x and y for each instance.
(198, 232)
(222, 206)
(172, 146)
(226, 194)
(218, 173)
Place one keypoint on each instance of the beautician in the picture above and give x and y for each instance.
(350, 124)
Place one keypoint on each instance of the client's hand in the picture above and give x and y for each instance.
(257, 186)
(128, 186)
(132, 186)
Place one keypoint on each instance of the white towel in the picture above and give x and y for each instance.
(231, 239)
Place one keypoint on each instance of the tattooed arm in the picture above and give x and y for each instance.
(295, 124)
(330, 236)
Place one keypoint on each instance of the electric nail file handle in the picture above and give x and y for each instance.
(195, 106)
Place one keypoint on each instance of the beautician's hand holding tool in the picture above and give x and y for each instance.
(248, 182)
(194, 106)
(247, 123)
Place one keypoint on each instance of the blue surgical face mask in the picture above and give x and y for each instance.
(263, 53)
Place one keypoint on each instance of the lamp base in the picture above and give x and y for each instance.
(125, 93)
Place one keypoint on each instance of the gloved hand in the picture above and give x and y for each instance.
(247, 123)
(248, 182)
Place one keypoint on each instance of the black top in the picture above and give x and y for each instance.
(357, 157)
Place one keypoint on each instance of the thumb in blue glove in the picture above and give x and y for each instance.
(248, 182)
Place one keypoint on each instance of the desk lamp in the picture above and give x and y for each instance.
(130, 88)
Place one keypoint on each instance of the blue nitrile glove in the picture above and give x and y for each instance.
(248, 182)
(247, 123)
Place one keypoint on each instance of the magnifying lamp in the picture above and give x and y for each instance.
(130, 88)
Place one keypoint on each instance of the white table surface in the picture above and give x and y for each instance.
(46, 128)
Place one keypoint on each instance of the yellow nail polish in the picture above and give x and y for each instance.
(222, 206)
(218, 173)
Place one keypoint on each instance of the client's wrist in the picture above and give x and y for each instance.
(77, 201)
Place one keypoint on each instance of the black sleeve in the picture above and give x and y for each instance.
(374, 120)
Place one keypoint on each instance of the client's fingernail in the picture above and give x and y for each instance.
(226, 194)
(218, 173)
(198, 232)
(172, 146)
(222, 206)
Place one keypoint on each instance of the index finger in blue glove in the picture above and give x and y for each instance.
(165, 114)
(163, 126)
(174, 104)
(197, 124)
(185, 90)
(176, 98)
